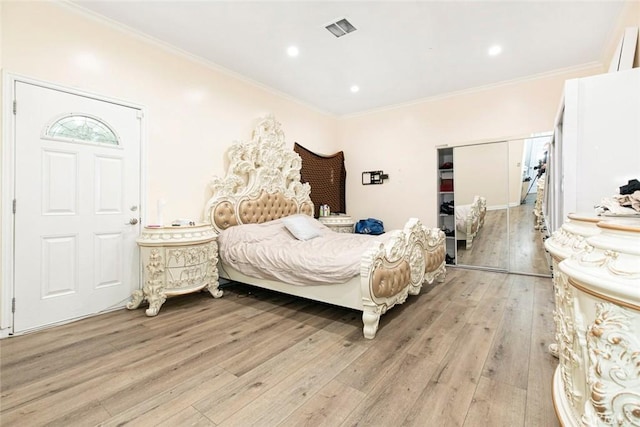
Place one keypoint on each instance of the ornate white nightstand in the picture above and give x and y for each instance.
(176, 260)
(339, 223)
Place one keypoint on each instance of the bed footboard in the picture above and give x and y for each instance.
(390, 272)
(481, 202)
(468, 230)
(435, 251)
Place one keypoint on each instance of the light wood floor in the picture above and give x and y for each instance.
(468, 352)
(522, 252)
(490, 246)
(527, 253)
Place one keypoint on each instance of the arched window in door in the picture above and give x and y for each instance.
(74, 127)
(327, 176)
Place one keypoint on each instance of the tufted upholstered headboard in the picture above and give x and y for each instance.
(262, 182)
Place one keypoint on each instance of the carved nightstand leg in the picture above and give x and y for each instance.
(156, 300)
(136, 299)
(153, 289)
(214, 291)
(212, 287)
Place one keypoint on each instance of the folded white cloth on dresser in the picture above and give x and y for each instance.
(630, 200)
(620, 205)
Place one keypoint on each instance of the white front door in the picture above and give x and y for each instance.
(77, 191)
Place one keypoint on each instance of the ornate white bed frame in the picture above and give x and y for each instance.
(474, 221)
(263, 184)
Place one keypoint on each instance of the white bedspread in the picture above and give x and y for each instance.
(269, 251)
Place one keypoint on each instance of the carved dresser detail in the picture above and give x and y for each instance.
(176, 261)
(597, 382)
(568, 240)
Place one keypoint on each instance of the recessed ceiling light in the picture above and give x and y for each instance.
(354, 88)
(88, 61)
(495, 50)
(293, 51)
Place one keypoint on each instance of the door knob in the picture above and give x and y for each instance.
(132, 221)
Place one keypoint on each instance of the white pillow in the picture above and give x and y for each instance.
(301, 227)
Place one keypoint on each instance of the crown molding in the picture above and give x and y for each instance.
(595, 65)
(167, 47)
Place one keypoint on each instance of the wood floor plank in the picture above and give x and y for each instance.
(203, 361)
(490, 246)
(177, 360)
(388, 403)
(277, 403)
(327, 408)
(441, 332)
(392, 341)
(489, 312)
(121, 388)
(475, 289)
(242, 392)
(527, 253)
(509, 355)
(346, 323)
(106, 372)
(23, 347)
(496, 404)
(450, 390)
(89, 414)
(18, 373)
(187, 417)
(308, 316)
(542, 365)
(161, 406)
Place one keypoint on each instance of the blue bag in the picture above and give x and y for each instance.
(369, 226)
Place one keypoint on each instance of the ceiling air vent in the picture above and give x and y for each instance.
(340, 27)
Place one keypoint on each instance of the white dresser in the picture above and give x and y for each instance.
(176, 261)
(568, 240)
(597, 382)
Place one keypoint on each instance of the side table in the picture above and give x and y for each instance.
(338, 223)
(176, 261)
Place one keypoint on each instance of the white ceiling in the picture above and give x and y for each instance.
(402, 51)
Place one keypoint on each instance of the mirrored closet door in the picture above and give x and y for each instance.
(495, 189)
(481, 235)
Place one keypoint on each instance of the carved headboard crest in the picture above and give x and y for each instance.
(262, 182)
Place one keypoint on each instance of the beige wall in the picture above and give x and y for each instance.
(402, 141)
(481, 170)
(194, 112)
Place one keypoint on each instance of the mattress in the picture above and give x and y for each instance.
(270, 251)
